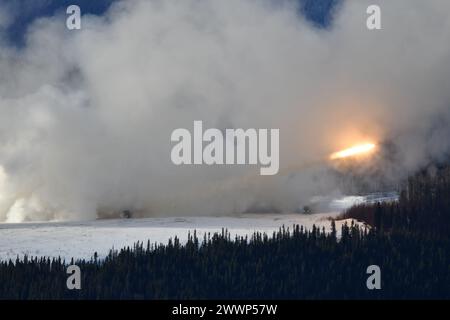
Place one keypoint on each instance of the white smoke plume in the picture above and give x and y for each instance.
(86, 116)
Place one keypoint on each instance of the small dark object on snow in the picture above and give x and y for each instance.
(126, 214)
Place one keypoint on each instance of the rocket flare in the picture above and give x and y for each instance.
(357, 150)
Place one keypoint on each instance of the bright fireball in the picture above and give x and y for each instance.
(353, 151)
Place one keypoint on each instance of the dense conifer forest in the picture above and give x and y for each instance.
(409, 240)
(424, 206)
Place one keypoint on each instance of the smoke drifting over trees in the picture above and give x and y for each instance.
(86, 116)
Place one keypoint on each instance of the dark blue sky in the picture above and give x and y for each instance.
(317, 11)
(26, 11)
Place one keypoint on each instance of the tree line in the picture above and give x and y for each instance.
(409, 240)
(289, 264)
(423, 206)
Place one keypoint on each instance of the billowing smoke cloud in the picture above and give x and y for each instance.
(86, 116)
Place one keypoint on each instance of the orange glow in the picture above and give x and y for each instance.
(359, 149)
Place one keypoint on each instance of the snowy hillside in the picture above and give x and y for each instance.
(82, 239)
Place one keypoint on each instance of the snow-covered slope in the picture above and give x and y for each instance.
(325, 204)
(82, 239)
